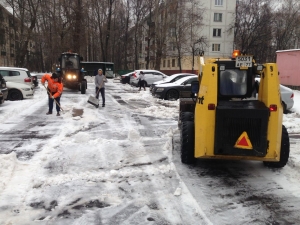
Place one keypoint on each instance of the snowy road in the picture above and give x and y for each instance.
(120, 165)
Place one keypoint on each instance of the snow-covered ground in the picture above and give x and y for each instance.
(111, 165)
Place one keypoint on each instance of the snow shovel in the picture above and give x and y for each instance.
(93, 100)
(54, 99)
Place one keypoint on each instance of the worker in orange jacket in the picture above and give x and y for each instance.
(55, 89)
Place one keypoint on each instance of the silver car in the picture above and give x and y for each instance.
(151, 76)
(287, 97)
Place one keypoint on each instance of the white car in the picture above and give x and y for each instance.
(150, 77)
(18, 91)
(287, 96)
(16, 74)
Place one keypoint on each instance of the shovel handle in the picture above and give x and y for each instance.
(53, 98)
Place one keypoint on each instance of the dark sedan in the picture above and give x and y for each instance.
(170, 79)
(34, 79)
(172, 91)
(125, 79)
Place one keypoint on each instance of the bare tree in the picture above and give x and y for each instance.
(184, 24)
(285, 26)
(25, 15)
(253, 34)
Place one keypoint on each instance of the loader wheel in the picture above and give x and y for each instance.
(185, 116)
(83, 87)
(284, 151)
(187, 142)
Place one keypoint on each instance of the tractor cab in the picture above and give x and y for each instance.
(71, 73)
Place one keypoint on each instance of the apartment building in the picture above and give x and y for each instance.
(214, 36)
(7, 46)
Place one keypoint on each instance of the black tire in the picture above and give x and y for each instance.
(172, 95)
(284, 151)
(185, 116)
(284, 108)
(187, 139)
(15, 95)
(83, 87)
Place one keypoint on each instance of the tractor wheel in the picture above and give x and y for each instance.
(83, 87)
(15, 95)
(172, 95)
(284, 151)
(185, 116)
(187, 142)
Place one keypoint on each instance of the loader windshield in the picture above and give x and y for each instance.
(233, 82)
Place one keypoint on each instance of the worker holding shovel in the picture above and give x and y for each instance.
(54, 89)
(100, 87)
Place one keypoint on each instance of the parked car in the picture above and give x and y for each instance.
(1, 98)
(18, 91)
(172, 91)
(151, 76)
(287, 97)
(39, 75)
(125, 79)
(171, 79)
(15, 74)
(34, 79)
(3, 87)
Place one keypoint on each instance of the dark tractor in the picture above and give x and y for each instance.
(70, 72)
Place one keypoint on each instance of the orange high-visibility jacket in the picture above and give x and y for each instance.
(55, 88)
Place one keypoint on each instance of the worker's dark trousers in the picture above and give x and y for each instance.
(51, 102)
(102, 91)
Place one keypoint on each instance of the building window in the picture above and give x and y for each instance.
(218, 2)
(172, 32)
(217, 17)
(168, 63)
(216, 47)
(172, 46)
(173, 62)
(216, 32)
(164, 63)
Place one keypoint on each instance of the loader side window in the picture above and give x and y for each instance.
(233, 82)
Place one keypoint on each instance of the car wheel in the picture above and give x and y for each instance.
(15, 95)
(187, 142)
(172, 95)
(284, 108)
(284, 151)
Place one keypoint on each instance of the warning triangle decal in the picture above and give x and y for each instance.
(243, 141)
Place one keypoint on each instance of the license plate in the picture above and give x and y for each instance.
(243, 61)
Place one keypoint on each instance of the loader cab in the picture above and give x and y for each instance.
(234, 82)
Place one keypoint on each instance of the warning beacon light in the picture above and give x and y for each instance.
(235, 53)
